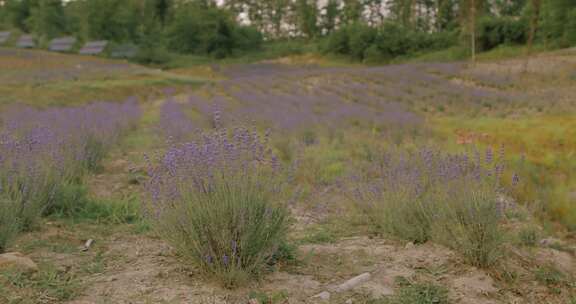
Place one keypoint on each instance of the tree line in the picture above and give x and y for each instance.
(360, 29)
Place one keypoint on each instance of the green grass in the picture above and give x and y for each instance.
(528, 236)
(510, 52)
(47, 286)
(456, 53)
(550, 276)
(319, 234)
(417, 293)
(547, 173)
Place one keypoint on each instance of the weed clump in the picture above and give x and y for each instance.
(222, 203)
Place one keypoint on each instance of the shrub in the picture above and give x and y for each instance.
(153, 55)
(390, 40)
(494, 31)
(209, 31)
(351, 40)
(360, 38)
(429, 195)
(247, 38)
(219, 201)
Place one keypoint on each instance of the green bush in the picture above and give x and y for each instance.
(495, 31)
(209, 31)
(153, 55)
(390, 40)
(360, 38)
(247, 38)
(395, 40)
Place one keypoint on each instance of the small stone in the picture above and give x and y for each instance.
(17, 260)
(325, 295)
(353, 282)
(410, 245)
(550, 242)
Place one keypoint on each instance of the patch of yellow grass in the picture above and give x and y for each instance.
(548, 144)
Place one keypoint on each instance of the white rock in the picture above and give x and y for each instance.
(410, 245)
(325, 295)
(349, 301)
(18, 260)
(353, 282)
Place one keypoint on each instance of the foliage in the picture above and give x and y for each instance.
(219, 202)
(349, 26)
(48, 19)
(210, 31)
(390, 40)
(558, 24)
(493, 32)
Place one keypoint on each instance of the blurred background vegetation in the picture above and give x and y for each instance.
(372, 31)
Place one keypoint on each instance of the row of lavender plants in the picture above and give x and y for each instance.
(456, 199)
(45, 153)
(222, 199)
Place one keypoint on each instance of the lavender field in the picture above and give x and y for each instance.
(275, 183)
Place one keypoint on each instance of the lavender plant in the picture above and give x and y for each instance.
(222, 203)
(454, 199)
(174, 124)
(42, 152)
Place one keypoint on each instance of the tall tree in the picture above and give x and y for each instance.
(47, 19)
(473, 29)
(307, 12)
(162, 10)
(352, 11)
(330, 16)
(536, 6)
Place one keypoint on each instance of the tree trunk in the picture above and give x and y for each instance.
(536, 4)
(473, 30)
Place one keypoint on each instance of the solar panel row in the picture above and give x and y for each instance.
(4, 36)
(26, 42)
(93, 47)
(66, 44)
